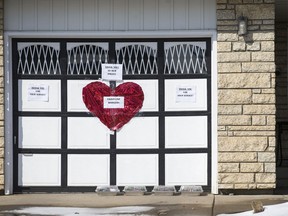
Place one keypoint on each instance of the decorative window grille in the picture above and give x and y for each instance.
(137, 58)
(86, 58)
(185, 58)
(38, 59)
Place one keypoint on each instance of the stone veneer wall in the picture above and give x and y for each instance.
(1, 101)
(246, 83)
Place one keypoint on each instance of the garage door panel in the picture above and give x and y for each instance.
(137, 170)
(177, 99)
(150, 89)
(191, 132)
(39, 170)
(33, 132)
(140, 132)
(88, 170)
(87, 133)
(186, 169)
(167, 143)
(48, 99)
(74, 95)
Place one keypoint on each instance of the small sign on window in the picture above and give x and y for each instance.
(38, 93)
(186, 94)
(113, 102)
(112, 72)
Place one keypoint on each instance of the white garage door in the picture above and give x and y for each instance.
(60, 146)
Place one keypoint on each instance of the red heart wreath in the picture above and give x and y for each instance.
(113, 118)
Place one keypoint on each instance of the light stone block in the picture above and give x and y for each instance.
(224, 47)
(234, 57)
(243, 80)
(228, 167)
(266, 186)
(251, 128)
(229, 109)
(1, 132)
(270, 167)
(1, 179)
(266, 156)
(1, 165)
(227, 37)
(259, 120)
(259, 109)
(267, 46)
(263, 56)
(251, 167)
(237, 157)
(256, 11)
(234, 120)
(226, 186)
(236, 178)
(254, 133)
(254, 46)
(264, 67)
(242, 144)
(225, 14)
(239, 46)
(222, 133)
(264, 99)
(272, 141)
(241, 186)
(252, 186)
(2, 138)
(265, 177)
(229, 67)
(234, 96)
(263, 36)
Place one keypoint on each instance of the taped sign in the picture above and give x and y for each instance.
(112, 102)
(186, 94)
(38, 93)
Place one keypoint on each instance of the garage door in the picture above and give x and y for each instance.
(60, 146)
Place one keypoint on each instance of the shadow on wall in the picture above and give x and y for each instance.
(281, 59)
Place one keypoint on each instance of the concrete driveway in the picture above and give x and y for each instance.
(92, 204)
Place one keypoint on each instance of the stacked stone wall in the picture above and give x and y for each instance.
(1, 101)
(246, 95)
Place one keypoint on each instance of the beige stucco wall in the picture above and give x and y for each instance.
(246, 83)
(1, 102)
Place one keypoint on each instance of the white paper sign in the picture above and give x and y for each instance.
(186, 94)
(112, 72)
(38, 93)
(113, 102)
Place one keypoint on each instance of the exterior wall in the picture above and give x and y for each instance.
(246, 82)
(109, 15)
(1, 102)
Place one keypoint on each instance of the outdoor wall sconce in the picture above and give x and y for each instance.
(242, 25)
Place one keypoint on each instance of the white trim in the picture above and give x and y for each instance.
(8, 112)
(107, 34)
(112, 34)
(214, 116)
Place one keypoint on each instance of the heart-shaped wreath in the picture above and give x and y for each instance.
(113, 118)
